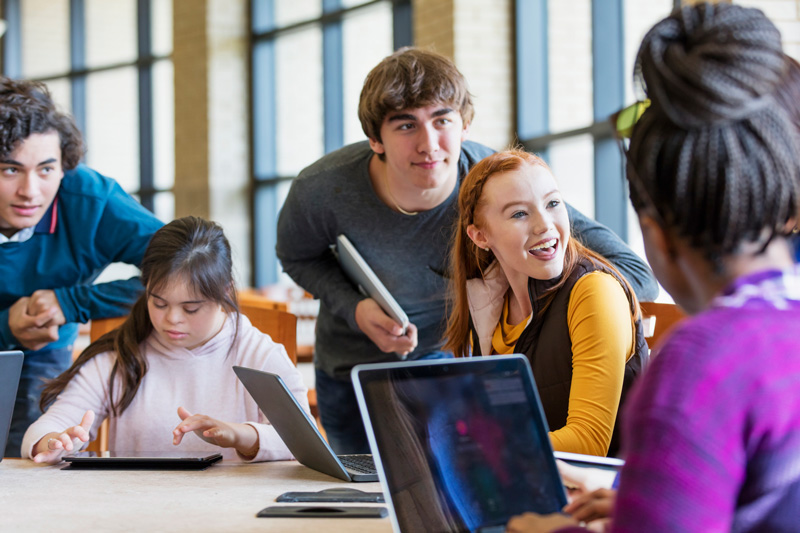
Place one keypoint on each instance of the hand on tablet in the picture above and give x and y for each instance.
(53, 446)
(382, 330)
(592, 506)
(243, 437)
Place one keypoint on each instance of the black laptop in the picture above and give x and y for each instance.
(460, 444)
(10, 370)
(299, 432)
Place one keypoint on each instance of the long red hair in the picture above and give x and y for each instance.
(468, 261)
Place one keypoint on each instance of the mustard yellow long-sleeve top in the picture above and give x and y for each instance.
(601, 329)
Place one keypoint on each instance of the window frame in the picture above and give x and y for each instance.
(608, 96)
(265, 178)
(78, 73)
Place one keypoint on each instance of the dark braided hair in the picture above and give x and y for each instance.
(27, 108)
(715, 151)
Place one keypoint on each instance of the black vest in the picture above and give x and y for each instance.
(547, 344)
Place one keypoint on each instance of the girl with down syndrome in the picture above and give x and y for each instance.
(175, 350)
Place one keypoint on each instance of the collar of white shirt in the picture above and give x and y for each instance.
(21, 236)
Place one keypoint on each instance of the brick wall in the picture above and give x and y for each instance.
(478, 36)
(190, 60)
(212, 158)
(229, 130)
(434, 25)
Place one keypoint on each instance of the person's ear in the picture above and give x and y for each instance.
(478, 236)
(656, 238)
(377, 146)
(465, 131)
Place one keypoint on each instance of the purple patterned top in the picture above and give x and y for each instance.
(712, 430)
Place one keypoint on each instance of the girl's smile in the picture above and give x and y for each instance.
(545, 250)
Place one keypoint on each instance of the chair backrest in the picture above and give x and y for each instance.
(659, 319)
(97, 328)
(280, 325)
(253, 297)
(100, 326)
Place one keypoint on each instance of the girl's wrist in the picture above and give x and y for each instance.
(248, 441)
(43, 444)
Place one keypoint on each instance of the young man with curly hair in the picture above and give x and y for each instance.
(394, 197)
(61, 224)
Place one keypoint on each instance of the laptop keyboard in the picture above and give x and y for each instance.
(358, 463)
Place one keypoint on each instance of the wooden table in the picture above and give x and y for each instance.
(225, 497)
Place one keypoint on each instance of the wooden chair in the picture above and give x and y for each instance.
(252, 297)
(258, 309)
(98, 328)
(658, 320)
(264, 314)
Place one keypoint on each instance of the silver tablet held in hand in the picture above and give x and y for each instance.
(367, 282)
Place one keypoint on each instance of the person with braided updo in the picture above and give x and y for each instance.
(711, 433)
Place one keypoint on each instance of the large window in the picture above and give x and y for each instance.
(108, 63)
(575, 63)
(309, 60)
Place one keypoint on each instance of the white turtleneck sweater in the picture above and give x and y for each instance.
(201, 380)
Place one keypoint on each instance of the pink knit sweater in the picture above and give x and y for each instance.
(201, 380)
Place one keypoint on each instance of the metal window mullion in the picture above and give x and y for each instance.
(264, 142)
(12, 40)
(332, 79)
(533, 95)
(145, 80)
(77, 56)
(402, 24)
(608, 96)
(329, 15)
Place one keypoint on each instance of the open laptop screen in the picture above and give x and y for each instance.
(462, 444)
(10, 369)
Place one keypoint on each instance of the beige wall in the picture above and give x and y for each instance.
(478, 36)
(212, 154)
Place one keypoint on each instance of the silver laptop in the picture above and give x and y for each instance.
(460, 444)
(10, 370)
(367, 281)
(299, 432)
